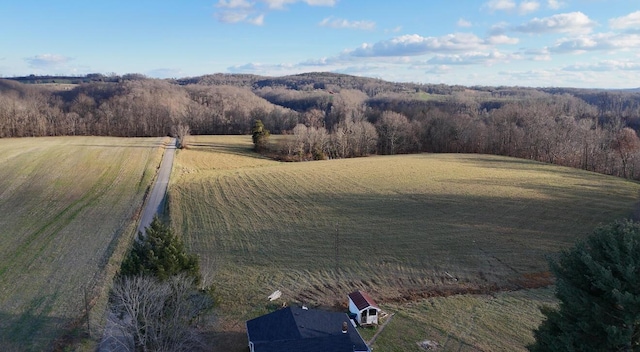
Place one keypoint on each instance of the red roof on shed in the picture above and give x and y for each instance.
(362, 300)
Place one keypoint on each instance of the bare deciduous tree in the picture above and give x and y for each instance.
(152, 315)
(627, 144)
(310, 142)
(353, 138)
(393, 129)
(181, 132)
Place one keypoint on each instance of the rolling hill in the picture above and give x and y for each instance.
(404, 228)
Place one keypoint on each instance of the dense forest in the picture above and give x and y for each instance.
(335, 116)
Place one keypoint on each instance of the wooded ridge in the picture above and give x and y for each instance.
(336, 115)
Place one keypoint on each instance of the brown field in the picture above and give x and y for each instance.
(407, 229)
(68, 208)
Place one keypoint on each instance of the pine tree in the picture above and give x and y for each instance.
(160, 253)
(260, 136)
(598, 286)
(156, 302)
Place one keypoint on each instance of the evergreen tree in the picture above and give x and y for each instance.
(598, 285)
(160, 253)
(156, 301)
(260, 136)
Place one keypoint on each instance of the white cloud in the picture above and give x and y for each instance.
(576, 45)
(281, 4)
(502, 39)
(499, 28)
(165, 73)
(47, 61)
(250, 67)
(369, 69)
(534, 77)
(526, 7)
(439, 69)
(234, 4)
(411, 45)
(523, 8)
(257, 20)
(538, 54)
(631, 20)
(265, 69)
(393, 30)
(574, 22)
(597, 42)
(605, 66)
(319, 62)
(278, 4)
(321, 2)
(464, 23)
(238, 11)
(500, 5)
(555, 4)
(231, 16)
(472, 58)
(342, 23)
(244, 11)
(240, 16)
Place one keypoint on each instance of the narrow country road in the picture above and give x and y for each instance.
(112, 337)
(156, 197)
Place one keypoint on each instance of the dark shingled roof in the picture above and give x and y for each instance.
(309, 330)
(362, 300)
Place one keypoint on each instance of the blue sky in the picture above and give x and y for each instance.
(539, 43)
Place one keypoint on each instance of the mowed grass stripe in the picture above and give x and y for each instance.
(499, 322)
(76, 197)
(405, 224)
(452, 208)
(35, 243)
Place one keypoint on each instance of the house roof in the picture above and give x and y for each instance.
(309, 330)
(362, 300)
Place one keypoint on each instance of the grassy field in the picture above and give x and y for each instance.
(404, 228)
(67, 209)
(497, 322)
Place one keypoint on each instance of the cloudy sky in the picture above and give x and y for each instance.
(569, 43)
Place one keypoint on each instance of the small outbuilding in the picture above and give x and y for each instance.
(364, 308)
(302, 329)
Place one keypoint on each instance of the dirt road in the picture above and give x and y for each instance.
(155, 200)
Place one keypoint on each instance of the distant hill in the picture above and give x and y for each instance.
(309, 80)
(92, 77)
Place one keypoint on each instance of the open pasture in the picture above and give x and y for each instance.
(498, 322)
(67, 206)
(402, 227)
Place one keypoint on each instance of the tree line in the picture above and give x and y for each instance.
(337, 116)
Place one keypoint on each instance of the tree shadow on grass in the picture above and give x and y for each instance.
(239, 150)
(225, 341)
(125, 146)
(480, 239)
(513, 163)
(34, 329)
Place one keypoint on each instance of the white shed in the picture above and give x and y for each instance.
(363, 306)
